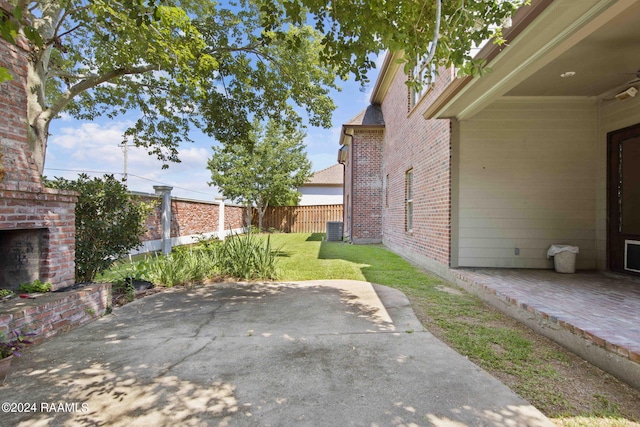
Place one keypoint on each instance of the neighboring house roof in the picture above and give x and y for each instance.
(330, 176)
(370, 116)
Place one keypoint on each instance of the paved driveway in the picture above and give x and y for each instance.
(320, 353)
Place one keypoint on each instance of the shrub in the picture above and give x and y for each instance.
(109, 222)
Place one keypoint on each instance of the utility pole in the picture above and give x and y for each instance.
(125, 149)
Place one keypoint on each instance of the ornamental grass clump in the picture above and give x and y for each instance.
(248, 257)
(183, 267)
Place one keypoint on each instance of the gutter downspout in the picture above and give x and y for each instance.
(348, 212)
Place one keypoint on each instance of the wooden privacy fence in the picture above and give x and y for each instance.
(299, 219)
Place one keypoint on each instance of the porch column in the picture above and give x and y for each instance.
(220, 200)
(165, 192)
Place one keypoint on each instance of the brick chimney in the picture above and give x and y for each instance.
(37, 224)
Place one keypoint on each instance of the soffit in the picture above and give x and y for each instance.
(597, 39)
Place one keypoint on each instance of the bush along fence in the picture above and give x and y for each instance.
(176, 221)
(299, 219)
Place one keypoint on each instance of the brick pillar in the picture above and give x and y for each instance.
(165, 192)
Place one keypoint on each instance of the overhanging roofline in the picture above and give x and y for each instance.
(385, 77)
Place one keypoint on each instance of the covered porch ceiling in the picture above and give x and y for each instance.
(588, 49)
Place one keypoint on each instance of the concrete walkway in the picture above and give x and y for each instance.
(322, 353)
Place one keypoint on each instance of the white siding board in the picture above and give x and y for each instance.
(527, 223)
(518, 202)
(523, 244)
(527, 233)
(527, 181)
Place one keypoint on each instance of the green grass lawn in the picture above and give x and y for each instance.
(307, 257)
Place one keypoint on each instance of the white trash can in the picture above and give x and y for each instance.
(564, 257)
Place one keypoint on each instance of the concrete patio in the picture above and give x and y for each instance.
(317, 353)
(594, 314)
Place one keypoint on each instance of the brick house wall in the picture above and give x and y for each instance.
(366, 192)
(423, 146)
(27, 208)
(363, 137)
(375, 184)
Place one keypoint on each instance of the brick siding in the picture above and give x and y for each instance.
(407, 142)
(411, 142)
(24, 202)
(366, 194)
(52, 313)
(191, 217)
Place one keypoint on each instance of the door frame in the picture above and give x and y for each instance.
(614, 254)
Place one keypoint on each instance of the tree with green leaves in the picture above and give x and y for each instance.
(180, 64)
(442, 32)
(214, 65)
(109, 222)
(262, 172)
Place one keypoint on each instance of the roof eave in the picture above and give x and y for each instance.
(388, 70)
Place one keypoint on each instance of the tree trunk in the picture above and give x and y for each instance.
(260, 214)
(249, 214)
(39, 115)
(261, 211)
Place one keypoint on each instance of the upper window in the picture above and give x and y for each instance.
(409, 200)
(424, 74)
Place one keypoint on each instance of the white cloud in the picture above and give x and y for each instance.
(95, 147)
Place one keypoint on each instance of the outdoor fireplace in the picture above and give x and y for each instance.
(21, 252)
(37, 224)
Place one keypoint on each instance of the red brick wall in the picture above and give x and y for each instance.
(348, 179)
(20, 169)
(366, 194)
(190, 217)
(234, 217)
(52, 313)
(411, 142)
(24, 202)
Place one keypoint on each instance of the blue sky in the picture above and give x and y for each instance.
(93, 147)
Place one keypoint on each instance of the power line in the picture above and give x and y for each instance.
(130, 174)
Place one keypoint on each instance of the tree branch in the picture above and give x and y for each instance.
(93, 81)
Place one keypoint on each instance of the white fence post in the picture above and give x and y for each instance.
(220, 200)
(165, 192)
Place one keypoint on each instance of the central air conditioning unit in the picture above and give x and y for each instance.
(334, 231)
(632, 255)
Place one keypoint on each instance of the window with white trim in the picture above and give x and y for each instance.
(423, 73)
